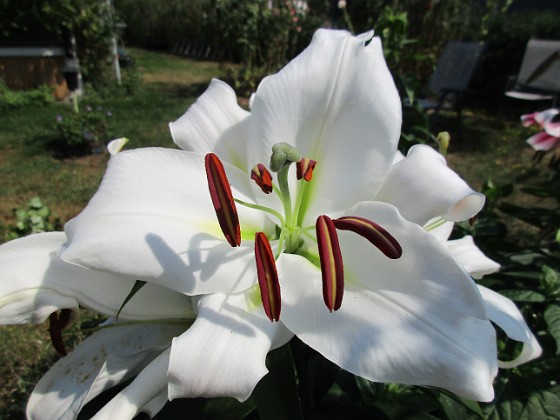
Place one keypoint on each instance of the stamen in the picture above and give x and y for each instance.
(332, 268)
(268, 277)
(374, 233)
(305, 168)
(58, 323)
(222, 199)
(262, 177)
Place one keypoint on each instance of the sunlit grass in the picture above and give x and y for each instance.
(28, 168)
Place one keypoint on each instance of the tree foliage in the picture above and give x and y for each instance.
(40, 22)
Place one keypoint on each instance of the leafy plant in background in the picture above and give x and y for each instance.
(83, 132)
(33, 218)
(525, 240)
(262, 38)
(41, 96)
(90, 22)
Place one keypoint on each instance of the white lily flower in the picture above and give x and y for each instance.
(410, 313)
(105, 359)
(116, 145)
(417, 319)
(501, 310)
(36, 284)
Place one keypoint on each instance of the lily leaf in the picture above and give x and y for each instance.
(523, 295)
(137, 286)
(276, 394)
(552, 318)
(542, 404)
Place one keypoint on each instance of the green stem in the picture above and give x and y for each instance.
(280, 243)
(435, 224)
(285, 194)
(299, 199)
(263, 208)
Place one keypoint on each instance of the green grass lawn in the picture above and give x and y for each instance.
(29, 168)
(491, 148)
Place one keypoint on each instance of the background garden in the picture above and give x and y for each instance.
(49, 168)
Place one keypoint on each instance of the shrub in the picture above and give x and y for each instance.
(83, 132)
(41, 96)
(32, 218)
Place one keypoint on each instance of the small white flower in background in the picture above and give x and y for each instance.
(115, 146)
(291, 219)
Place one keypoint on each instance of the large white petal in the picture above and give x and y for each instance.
(214, 123)
(152, 218)
(223, 353)
(425, 276)
(422, 187)
(505, 314)
(376, 336)
(34, 283)
(102, 361)
(337, 104)
(145, 390)
(471, 257)
(442, 229)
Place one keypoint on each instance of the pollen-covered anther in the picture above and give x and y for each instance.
(305, 168)
(58, 322)
(268, 277)
(262, 177)
(374, 233)
(222, 199)
(332, 268)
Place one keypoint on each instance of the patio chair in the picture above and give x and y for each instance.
(451, 78)
(539, 75)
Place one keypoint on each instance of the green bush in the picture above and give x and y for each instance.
(41, 96)
(35, 21)
(32, 218)
(83, 132)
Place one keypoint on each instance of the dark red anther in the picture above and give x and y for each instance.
(57, 324)
(372, 232)
(305, 168)
(268, 277)
(332, 268)
(262, 177)
(222, 199)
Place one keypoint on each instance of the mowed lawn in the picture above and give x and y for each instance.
(29, 168)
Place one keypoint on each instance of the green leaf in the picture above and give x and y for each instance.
(523, 295)
(453, 410)
(550, 281)
(552, 318)
(541, 405)
(137, 286)
(276, 395)
(206, 409)
(35, 203)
